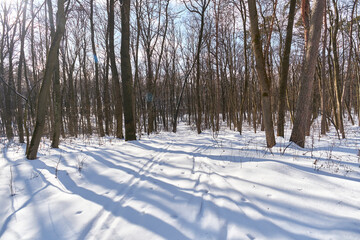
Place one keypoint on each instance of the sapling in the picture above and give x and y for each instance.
(312, 144)
(57, 166)
(316, 166)
(283, 152)
(81, 164)
(12, 190)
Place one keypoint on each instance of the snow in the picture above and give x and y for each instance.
(183, 186)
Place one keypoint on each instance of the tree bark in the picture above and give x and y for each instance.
(285, 70)
(305, 14)
(56, 88)
(337, 80)
(323, 82)
(8, 85)
(45, 87)
(242, 8)
(99, 110)
(200, 10)
(87, 93)
(20, 113)
(302, 114)
(126, 75)
(261, 71)
(346, 92)
(115, 75)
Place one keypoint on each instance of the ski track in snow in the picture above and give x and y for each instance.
(183, 186)
(106, 219)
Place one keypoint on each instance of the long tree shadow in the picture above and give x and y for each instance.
(231, 215)
(29, 191)
(167, 189)
(148, 221)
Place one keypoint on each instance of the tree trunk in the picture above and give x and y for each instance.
(337, 80)
(345, 98)
(126, 75)
(197, 80)
(19, 116)
(99, 110)
(244, 96)
(115, 75)
(56, 88)
(200, 10)
(305, 14)
(302, 114)
(87, 93)
(8, 94)
(285, 70)
(106, 93)
(150, 90)
(323, 81)
(260, 68)
(45, 87)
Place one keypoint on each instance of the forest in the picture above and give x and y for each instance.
(180, 119)
(79, 67)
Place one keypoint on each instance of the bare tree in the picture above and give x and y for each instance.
(7, 41)
(285, 70)
(302, 114)
(56, 87)
(99, 110)
(115, 74)
(45, 87)
(198, 7)
(126, 75)
(19, 100)
(262, 75)
(337, 81)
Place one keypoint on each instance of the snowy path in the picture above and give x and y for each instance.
(183, 186)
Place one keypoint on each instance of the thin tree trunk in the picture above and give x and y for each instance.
(217, 86)
(202, 5)
(99, 110)
(324, 114)
(87, 94)
(7, 92)
(346, 96)
(337, 80)
(176, 114)
(45, 87)
(56, 87)
(285, 70)
(246, 63)
(19, 116)
(197, 80)
(106, 93)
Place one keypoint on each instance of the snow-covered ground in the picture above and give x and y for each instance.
(183, 186)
